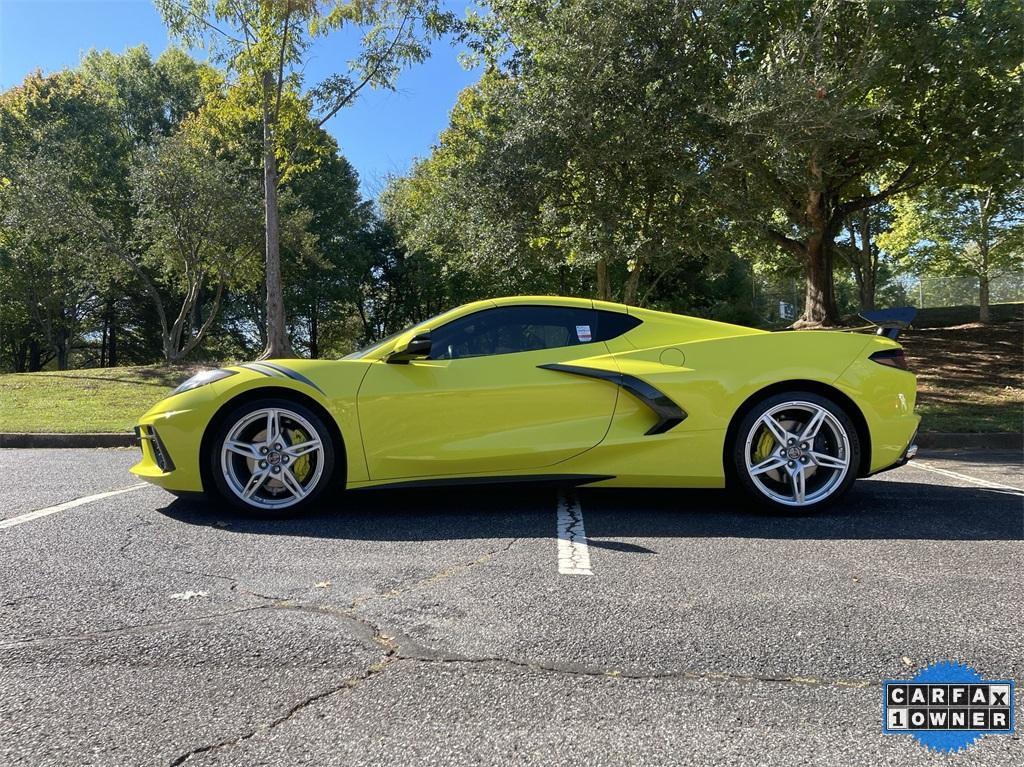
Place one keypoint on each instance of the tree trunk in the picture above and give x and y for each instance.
(277, 331)
(867, 293)
(20, 357)
(603, 288)
(112, 340)
(823, 221)
(103, 343)
(983, 249)
(61, 348)
(314, 341)
(629, 293)
(869, 268)
(819, 298)
(35, 363)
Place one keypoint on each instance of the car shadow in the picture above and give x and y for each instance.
(874, 510)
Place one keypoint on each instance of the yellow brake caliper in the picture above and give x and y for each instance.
(764, 446)
(301, 467)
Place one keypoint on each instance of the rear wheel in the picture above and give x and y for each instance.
(796, 452)
(271, 457)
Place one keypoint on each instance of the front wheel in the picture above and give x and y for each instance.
(271, 456)
(796, 452)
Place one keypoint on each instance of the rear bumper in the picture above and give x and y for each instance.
(909, 453)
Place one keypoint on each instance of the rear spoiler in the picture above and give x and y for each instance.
(889, 322)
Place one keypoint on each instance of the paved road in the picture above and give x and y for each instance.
(436, 627)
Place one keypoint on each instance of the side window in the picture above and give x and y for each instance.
(613, 324)
(511, 329)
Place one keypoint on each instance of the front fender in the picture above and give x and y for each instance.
(181, 420)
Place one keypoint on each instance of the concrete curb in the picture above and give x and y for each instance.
(118, 439)
(926, 440)
(940, 440)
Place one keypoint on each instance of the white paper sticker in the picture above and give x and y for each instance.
(583, 333)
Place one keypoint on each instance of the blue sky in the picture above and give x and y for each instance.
(380, 134)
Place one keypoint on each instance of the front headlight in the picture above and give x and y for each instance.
(202, 378)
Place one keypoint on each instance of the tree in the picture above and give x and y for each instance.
(820, 96)
(195, 230)
(630, 136)
(266, 43)
(325, 275)
(582, 134)
(105, 189)
(975, 230)
(472, 209)
(49, 268)
(862, 253)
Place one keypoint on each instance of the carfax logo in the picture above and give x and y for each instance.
(947, 706)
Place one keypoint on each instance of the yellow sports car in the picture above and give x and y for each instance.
(543, 388)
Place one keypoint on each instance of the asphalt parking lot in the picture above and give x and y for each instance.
(457, 627)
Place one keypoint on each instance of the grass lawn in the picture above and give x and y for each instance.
(98, 399)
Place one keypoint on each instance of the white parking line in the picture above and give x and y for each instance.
(65, 506)
(965, 478)
(573, 552)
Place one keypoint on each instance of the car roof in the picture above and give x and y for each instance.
(582, 303)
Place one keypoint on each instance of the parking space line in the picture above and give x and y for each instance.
(967, 478)
(573, 552)
(65, 506)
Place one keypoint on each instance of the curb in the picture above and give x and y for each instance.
(24, 440)
(927, 440)
(940, 440)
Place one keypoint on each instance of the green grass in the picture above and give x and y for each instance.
(990, 415)
(99, 399)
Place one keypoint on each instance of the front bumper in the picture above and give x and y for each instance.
(170, 442)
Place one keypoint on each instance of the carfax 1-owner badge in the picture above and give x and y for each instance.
(947, 706)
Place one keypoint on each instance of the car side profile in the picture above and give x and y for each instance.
(545, 388)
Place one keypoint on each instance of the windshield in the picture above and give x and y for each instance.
(360, 353)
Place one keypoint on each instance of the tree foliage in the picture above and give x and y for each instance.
(265, 44)
(634, 138)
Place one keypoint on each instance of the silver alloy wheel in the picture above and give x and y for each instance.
(272, 458)
(797, 453)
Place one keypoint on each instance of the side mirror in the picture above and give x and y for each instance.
(417, 348)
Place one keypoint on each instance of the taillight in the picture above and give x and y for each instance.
(894, 358)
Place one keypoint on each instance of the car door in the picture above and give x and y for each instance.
(479, 404)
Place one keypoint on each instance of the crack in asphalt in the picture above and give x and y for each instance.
(382, 640)
(397, 648)
(393, 655)
(370, 631)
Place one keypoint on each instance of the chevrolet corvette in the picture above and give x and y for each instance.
(543, 388)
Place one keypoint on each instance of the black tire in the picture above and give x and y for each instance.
(755, 440)
(275, 495)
